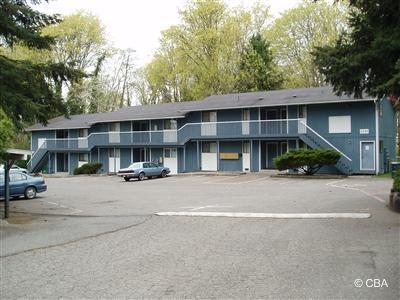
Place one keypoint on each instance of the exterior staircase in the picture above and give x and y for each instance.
(316, 141)
(37, 160)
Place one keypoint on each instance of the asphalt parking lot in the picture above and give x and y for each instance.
(249, 193)
(201, 236)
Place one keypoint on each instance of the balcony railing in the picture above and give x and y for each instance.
(234, 129)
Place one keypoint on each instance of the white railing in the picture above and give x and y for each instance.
(325, 140)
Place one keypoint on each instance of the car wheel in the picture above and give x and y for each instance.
(163, 174)
(30, 192)
(141, 176)
(127, 178)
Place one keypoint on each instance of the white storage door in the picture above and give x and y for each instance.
(171, 160)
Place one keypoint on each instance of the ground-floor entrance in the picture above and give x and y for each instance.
(270, 150)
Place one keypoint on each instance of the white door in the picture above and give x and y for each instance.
(114, 160)
(171, 160)
(209, 158)
(367, 153)
(246, 157)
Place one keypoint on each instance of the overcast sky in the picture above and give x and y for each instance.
(136, 24)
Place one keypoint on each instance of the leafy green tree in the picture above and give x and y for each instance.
(26, 87)
(367, 57)
(81, 44)
(257, 70)
(297, 32)
(6, 131)
(201, 56)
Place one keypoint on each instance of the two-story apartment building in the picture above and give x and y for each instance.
(233, 132)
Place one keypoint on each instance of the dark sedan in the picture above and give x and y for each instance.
(140, 170)
(22, 184)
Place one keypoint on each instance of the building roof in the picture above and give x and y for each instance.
(217, 102)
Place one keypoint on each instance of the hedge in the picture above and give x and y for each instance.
(307, 161)
(89, 168)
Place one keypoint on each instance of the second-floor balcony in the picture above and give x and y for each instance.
(282, 128)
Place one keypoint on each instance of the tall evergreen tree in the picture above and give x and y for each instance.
(26, 87)
(367, 57)
(257, 70)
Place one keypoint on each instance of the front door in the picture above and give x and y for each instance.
(272, 152)
(114, 160)
(367, 154)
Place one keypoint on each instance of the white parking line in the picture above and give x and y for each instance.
(352, 187)
(268, 215)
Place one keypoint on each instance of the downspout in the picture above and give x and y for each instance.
(377, 158)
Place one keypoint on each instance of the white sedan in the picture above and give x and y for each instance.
(140, 170)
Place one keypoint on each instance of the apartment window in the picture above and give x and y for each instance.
(83, 157)
(340, 124)
(209, 147)
(170, 152)
(114, 127)
(170, 124)
(209, 116)
(83, 132)
(246, 147)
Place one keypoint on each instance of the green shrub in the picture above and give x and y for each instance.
(308, 161)
(89, 168)
(396, 180)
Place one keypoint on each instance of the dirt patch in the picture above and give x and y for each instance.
(19, 218)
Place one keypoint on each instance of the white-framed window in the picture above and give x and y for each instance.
(83, 157)
(209, 116)
(340, 124)
(170, 124)
(170, 152)
(246, 147)
(114, 127)
(83, 132)
(209, 147)
(114, 153)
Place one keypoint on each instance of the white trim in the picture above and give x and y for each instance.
(326, 141)
(373, 147)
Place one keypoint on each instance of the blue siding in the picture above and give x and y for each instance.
(230, 164)
(255, 156)
(348, 143)
(191, 157)
(181, 160)
(36, 135)
(125, 157)
(229, 115)
(73, 162)
(157, 155)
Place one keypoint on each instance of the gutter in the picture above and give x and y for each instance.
(377, 158)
